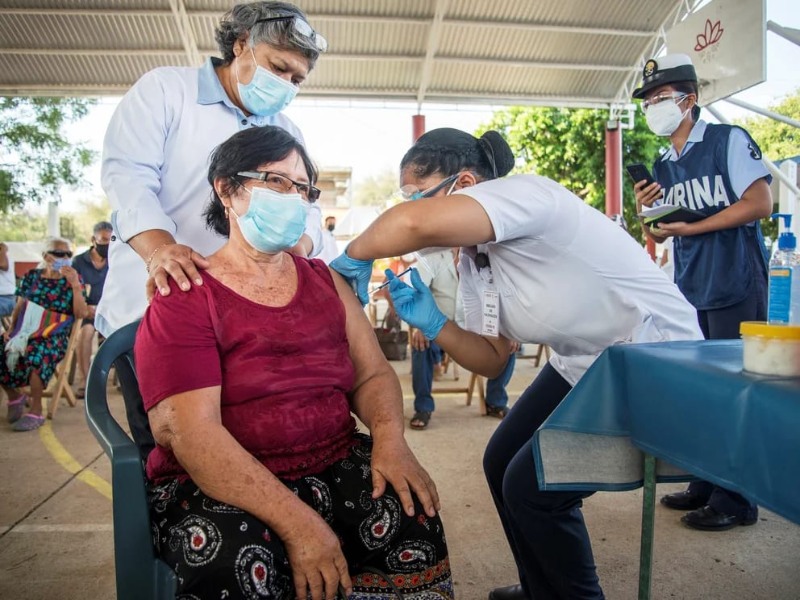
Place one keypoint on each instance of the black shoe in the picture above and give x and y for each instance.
(510, 592)
(710, 519)
(683, 501)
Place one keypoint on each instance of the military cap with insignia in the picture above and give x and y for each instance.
(671, 68)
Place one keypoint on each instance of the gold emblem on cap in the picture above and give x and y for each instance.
(650, 68)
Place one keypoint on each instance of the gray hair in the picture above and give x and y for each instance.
(102, 226)
(240, 23)
(50, 244)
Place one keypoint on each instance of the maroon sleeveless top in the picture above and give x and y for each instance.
(285, 371)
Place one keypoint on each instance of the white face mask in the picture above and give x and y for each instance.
(665, 117)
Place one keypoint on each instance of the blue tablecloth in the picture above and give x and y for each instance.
(690, 405)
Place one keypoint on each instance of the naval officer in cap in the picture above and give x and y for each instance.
(720, 260)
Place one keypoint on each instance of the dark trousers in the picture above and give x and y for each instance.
(545, 529)
(422, 362)
(723, 324)
(134, 406)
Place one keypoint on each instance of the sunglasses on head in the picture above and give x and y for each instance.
(60, 253)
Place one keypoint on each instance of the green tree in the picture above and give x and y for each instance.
(28, 226)
(35, 156)
(376, 189)
(568, 146)
(777, 140)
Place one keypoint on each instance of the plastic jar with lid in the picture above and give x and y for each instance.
(771, 349)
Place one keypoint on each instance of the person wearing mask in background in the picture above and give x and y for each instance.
(92, 266)
(49, 300)
(157, 145)
(720, 261)
(537, 265)
(329, 248)
(8, 282)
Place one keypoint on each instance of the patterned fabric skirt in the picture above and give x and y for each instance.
(219, 551)
(42, 355)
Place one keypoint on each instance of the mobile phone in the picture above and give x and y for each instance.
(638, 172)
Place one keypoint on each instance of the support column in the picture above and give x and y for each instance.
(613, 168)
(417, 126)
(53, 224)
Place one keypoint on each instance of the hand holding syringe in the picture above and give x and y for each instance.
(383, 285)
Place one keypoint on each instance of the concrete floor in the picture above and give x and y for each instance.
(56, 537)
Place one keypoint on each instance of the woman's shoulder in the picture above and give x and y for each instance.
(183, 301)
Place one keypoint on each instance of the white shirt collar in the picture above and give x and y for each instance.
(695, 135)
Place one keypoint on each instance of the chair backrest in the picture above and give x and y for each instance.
(140, 575)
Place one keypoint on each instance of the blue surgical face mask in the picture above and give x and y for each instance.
(61, 262)
(266, 94)
(274, 222)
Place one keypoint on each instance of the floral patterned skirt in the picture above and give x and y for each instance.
(219, 551)
(42, 355)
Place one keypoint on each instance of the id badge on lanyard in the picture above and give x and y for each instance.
(490, 323)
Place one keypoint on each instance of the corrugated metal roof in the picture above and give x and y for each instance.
(498, 51)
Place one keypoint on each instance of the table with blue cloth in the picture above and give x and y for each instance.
(669, 412)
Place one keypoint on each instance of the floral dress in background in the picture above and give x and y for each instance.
(42, 354)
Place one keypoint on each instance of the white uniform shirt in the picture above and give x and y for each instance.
(441, 277)
(8, 281)
(568, 276)
(154, 171)
(330, 249)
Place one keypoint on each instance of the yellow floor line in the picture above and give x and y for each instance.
(66, 460)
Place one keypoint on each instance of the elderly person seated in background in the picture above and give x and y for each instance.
(49, 299)
(260, 484)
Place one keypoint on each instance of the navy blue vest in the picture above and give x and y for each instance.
(716, 269)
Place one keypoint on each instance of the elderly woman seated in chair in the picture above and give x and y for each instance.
(49, 299)
(260, 485)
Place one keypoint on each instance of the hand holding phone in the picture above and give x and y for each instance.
(639, 172)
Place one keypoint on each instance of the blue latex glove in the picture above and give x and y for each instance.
(415, 305)
(356, 272)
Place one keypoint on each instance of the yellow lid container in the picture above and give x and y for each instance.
(778, 330)
(771, 349)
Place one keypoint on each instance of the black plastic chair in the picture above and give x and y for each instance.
(140, 574)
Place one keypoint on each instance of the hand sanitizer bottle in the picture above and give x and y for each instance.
(784, 278)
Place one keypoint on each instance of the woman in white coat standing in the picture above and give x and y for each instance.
(538, 265)
(155, 158)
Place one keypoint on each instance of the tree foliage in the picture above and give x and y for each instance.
(777, 140)
(568, 146)
(28, 226)
(35, 156)
(376, 190)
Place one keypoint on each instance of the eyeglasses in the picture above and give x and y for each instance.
(661, 97)
(411, 192)
(302, 28)
(281, 183)
(60, 253)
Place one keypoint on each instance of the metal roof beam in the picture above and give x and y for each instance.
(466, 60)
(185, 32)
(362, 18)
(433, 41)
(408, 95)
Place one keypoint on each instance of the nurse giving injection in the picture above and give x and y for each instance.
(537, 265)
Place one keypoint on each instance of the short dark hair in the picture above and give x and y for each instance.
(246, 151)
(241, 22)
(689, 87)
(449, 151)
(102, 226)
